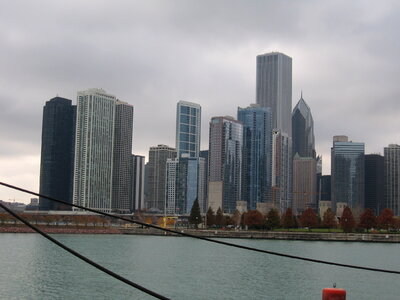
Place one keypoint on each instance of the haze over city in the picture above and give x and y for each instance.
(153, 54)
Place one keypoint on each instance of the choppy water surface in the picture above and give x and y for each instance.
(182, 268)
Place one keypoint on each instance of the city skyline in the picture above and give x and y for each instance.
(355, 94)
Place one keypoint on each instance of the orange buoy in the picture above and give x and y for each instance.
(333, 294)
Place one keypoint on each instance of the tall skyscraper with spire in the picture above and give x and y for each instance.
(303, 139)
(304, 160)
(274, 90)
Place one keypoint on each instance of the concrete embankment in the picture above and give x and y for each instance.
(277, 235)
(64, 230)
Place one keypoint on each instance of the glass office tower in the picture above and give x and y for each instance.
(347, 173)
(225, 163)
(257, 154)
(188, 128)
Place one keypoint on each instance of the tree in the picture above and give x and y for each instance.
(386, 219)
(236, 218)
(329, 219)
(288, 219)
(210, 217)
(254, 219)
(195, 216)
(309, 218)
(273, 220)
(219, 218)
(347, 220)
(367, 219)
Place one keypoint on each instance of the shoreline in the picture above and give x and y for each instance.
(218, 233)
(276, 235)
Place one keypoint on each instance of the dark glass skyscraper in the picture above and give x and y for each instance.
(257, 154)
(303, 140)
(57, 155)
(347, 171)
(392, 178)
(122, 160)
(374, 182)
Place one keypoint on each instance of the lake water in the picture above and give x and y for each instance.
(183, 268)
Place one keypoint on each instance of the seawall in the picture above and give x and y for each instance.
(277, 235)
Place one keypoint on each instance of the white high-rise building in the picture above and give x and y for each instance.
(94, 149)
(103, 146)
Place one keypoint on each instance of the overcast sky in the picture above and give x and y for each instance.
(154, 53)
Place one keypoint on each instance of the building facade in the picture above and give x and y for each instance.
(274, 88)
(156, 177)
(204, 155)
(304, 184)
(103, 143)
(281, 180)
(374, 182)
(347, 174)
(225, 163)
(57, 153)
(303, 139)
(122, 166)
(137, 183)
(392, 178)
(185, 184)
(257, 154)
(188, 128)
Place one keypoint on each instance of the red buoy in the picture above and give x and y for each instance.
(333, 294)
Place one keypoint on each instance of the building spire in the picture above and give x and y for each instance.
(301, 95)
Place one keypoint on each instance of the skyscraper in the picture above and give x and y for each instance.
(204, 154)
(156, 176)
(257, 154)
(392, 178)
(188, 128)
(57, 155)
(274, 88)
(184, 185)
(281, 180)
(122, 166)
(95, 129)
(303, 140)
(374, 182)
(225, 163)
(137, 186)
(347, 174)
(304, 184)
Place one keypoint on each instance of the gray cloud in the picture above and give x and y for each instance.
(155, 53)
